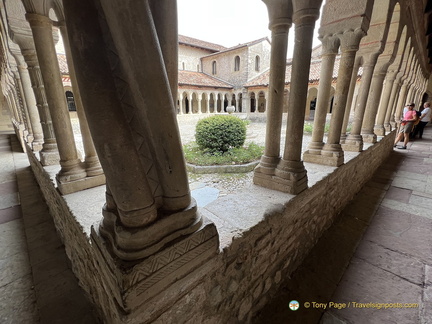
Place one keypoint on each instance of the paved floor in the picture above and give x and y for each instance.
(374, 265)
(36, 283)
(378, 251)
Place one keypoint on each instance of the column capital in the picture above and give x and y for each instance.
(330, 44)
(37, 20)
(280, 13)
(350, 39)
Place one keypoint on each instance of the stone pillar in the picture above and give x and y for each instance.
(290, 172)
(373, 103)
(330, 47)
(149, 204)
(71, 168)
(199, 98)
(246, 102)
(17, 91)
(401, 101)
(30, 100)
(349, 45)
(92, 165)
(384, 108)
(354, 141)
(49, 154)
(280, 22)
(180, 104)
(349, 103)
(389, 117)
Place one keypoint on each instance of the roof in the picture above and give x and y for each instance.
(240, 46)
(185, 40)
(201, 80)
(314, 74)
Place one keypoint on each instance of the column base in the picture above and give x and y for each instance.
(369, 138)
(143, 288)
(37, 145)
(388, 127)
(289, 177)
(80, 184)
(331, 155)
(134, 243)
(353, 143)
(379, 130)
(267, 165)
(49, 157)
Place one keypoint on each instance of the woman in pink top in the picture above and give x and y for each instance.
(406, 126)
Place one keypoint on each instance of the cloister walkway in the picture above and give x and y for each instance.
(378, 251)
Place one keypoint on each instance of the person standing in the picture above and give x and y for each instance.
(425, 117)
(406, 126)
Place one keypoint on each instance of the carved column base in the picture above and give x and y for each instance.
(133, 243)
(93, 167)
(369, 138)
(37, 145)
(142, 289)
(267, 165)
(388, 127)
(49, 157)
(379, 130)
(80, 184)
(331, 155)
(353, 143)
(289, 177)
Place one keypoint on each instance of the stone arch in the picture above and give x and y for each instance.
(70, 100)
(310, 103)
(237, 63)
(257, 63)
(253, 102)
(212, 103)
(262, 101)
(194, 103)
(214, 68)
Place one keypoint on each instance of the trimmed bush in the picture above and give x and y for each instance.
(218, 134)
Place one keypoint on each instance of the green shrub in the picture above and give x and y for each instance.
(218, 134)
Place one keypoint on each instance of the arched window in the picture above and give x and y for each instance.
(70, 101)
(214, 67)
(183, 65)
(237, 63)
(257, 63)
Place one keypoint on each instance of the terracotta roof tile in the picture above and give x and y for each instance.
(185, 40)
(200, 79)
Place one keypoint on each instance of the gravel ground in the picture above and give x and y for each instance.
(225, 183)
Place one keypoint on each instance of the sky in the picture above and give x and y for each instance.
(227, 22)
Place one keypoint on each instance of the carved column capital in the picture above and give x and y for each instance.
(330, 44)
(350, 39)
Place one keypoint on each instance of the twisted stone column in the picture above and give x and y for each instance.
(71, 168)
(330, 46)
(350, 41)
(49, 154)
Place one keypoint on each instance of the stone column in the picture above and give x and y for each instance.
(17, 91)
(389, 117)
(373, 103)
(199, 98)
(290, 172)
(92, 165)
(330, 45)
(246, 102)
(354, 141)
(280, 22)
(181, 104)
(30, 100)
(71, 168)
(49, 154)
(151, 204)
(349, 45)
(384, 108)
(401, 101)
(349, 103)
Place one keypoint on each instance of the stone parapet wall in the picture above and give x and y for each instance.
(236, 283)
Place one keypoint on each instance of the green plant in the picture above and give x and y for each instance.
(218, 134)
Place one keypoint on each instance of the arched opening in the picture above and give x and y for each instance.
(261, 102)
(214, 67)
(252, 102)
(237, 63)
(240, 101)
(70, 101)
(257, 63)
(212, 103)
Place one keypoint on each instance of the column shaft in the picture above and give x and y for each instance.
(47, 57)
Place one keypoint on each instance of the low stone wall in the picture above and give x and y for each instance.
(241, 279)
(240, 168)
